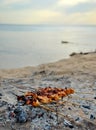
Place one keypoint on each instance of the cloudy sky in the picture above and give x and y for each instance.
(48, 11)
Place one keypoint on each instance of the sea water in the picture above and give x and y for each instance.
(31, 45)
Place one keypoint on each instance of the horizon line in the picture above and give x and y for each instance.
(46, 24)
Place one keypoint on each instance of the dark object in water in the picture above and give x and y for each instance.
(64, 42)
(81, 53)
(73, 54)
(94, 97)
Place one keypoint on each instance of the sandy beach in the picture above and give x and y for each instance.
(76, 64)
(77, 72)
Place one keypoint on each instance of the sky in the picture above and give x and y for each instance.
(48, 12)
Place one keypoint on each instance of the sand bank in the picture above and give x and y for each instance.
(85, 63)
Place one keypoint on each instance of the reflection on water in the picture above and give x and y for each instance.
(32, 45)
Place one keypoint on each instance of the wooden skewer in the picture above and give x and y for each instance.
(87, 119)
(34, 89)
(85, 92)
(84, 98)
(69, 102)
(61, 114)
(52, 110)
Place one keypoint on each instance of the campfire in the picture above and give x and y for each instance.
(45, 106)
(39, 99)
(44, 96)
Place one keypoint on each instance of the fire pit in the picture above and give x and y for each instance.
(44, 108)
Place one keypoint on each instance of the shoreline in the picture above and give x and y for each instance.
(75, 61)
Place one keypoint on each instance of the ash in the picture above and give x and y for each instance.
(80, 108)
(38, 118)
(19, 117)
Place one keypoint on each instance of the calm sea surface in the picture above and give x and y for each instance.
(30, 45)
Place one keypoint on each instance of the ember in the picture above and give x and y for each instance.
(44, 96)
